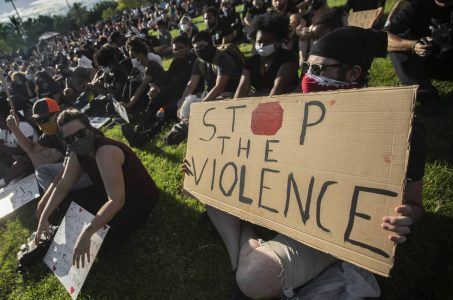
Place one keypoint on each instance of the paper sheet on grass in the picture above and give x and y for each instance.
(59, 256)
(98, 122)
(17, 194)
(322, 168)
(122, 112)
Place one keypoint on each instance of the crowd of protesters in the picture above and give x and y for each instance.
(297, 46)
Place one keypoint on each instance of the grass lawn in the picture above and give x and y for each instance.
(177, 257)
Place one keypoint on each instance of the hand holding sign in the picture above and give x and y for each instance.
(82, 248)
(398, 224)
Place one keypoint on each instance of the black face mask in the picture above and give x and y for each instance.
(316, 4)
(207, 53)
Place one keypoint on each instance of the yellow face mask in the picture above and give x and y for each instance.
(50, 127)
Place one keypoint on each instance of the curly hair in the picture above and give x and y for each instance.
(273, 24)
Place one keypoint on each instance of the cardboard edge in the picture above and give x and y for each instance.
(408, 149)
(200, 197)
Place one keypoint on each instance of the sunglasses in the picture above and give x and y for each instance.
(80, 134)
(316, 69)
(42, 120)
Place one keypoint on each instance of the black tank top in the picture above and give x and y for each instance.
(137, 181)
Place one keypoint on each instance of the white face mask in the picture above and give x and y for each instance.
(184, 27)
(265, 51)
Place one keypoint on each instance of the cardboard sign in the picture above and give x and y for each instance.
(16, 195)
(321, 168)
(363, 19)
(59, 256)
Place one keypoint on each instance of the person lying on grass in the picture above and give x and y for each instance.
(130, 192)
(339, 60)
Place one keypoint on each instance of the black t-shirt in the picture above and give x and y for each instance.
(52, 142)
(413, 22)
(177, 76)
(360, 5)
(153, 69)
(417, 156)
(223, 65)
(220, 31)
(266, 81)
(118, 76)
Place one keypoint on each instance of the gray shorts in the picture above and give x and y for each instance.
(300, 263)
(45, 174)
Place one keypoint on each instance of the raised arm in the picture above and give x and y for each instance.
(24, 142)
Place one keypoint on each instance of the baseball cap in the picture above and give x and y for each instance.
(44, 107)
(352, 46)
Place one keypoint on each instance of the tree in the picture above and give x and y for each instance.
(15, 8)
(124, 4)
(79, 13)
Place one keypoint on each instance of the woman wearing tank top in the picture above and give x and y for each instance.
(129, 191)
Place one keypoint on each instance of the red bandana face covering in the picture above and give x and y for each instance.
(312, 83)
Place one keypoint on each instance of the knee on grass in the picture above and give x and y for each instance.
(259, 274)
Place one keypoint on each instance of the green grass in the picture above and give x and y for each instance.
(176, 257)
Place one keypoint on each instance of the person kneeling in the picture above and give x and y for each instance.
(130, 192)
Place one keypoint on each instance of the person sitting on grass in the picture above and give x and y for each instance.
(187, 27)
(164, 37)
(14, 162)
(273, 70)
(130, 192)
(48, 150)
(168, 88)
(262, 269)
(221, 33)
(220, 73)
(149, 69)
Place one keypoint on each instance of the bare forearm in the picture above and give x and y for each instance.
(190, 88)
(243, 88)
(139, 92)
(398, 44)
(105, 214)
(58, 194)
(214, 93)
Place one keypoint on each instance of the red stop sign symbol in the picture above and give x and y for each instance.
(267, 118)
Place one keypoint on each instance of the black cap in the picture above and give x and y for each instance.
(352, 46)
